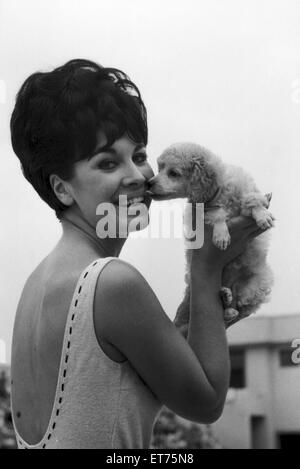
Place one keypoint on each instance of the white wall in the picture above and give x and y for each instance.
(271, 392)
(286, 392)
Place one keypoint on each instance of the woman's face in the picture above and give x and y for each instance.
(122, 169)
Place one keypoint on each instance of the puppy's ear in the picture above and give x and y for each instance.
(196, 170)
(203, 179)
(268, 198)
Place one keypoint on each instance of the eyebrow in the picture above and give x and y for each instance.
(108, 149)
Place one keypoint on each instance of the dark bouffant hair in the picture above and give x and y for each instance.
(57, 116)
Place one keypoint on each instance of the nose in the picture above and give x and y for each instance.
(135, 178)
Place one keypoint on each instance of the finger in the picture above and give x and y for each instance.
(240, 222)
(230, 314)
(258, 232)
(231, 323)
(269, 223)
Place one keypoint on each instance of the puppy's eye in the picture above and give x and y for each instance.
(173, 174)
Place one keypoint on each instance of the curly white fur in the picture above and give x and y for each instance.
(188, 170)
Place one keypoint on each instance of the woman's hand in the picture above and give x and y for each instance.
(242, 229)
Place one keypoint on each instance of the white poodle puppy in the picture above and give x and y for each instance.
(188, 170)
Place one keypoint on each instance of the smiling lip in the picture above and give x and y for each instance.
(144, 199)
(158, 196)
(133, 196)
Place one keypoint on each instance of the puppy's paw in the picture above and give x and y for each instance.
(230, 314)
(221, 240)
(265, 220)
(245, 301)
(226, 296)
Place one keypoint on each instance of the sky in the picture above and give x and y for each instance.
(224, 74)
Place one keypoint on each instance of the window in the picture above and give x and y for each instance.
(238, 375)
(259, 432)
(289, 440)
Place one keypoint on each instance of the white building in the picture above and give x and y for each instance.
(262, 410)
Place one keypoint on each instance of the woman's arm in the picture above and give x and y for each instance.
(206, 332)
(190, 377)
(129, 316)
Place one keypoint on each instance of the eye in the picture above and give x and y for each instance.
(106, 163)
(141, 157)
(174, 174)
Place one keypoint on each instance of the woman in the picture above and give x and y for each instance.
(94, 357)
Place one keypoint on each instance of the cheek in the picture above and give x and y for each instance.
(91, 192)
(165, 182)
(177, 185)
(102, 188)
(174, 185)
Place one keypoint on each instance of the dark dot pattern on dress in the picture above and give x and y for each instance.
(62, 389)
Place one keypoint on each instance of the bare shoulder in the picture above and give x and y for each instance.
(120, 267)
(118, 273)
(120, 285)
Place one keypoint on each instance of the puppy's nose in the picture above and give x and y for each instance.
(150, 183)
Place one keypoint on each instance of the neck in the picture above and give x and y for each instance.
(76, 228)
(214, 196)
(208, 198)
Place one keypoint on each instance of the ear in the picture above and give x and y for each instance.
(60, 190)
(196, 170)
(268, 198)
(203, 180)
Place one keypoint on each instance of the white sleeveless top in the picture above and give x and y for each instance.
(99, 403)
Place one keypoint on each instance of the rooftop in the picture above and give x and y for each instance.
(265, 330)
